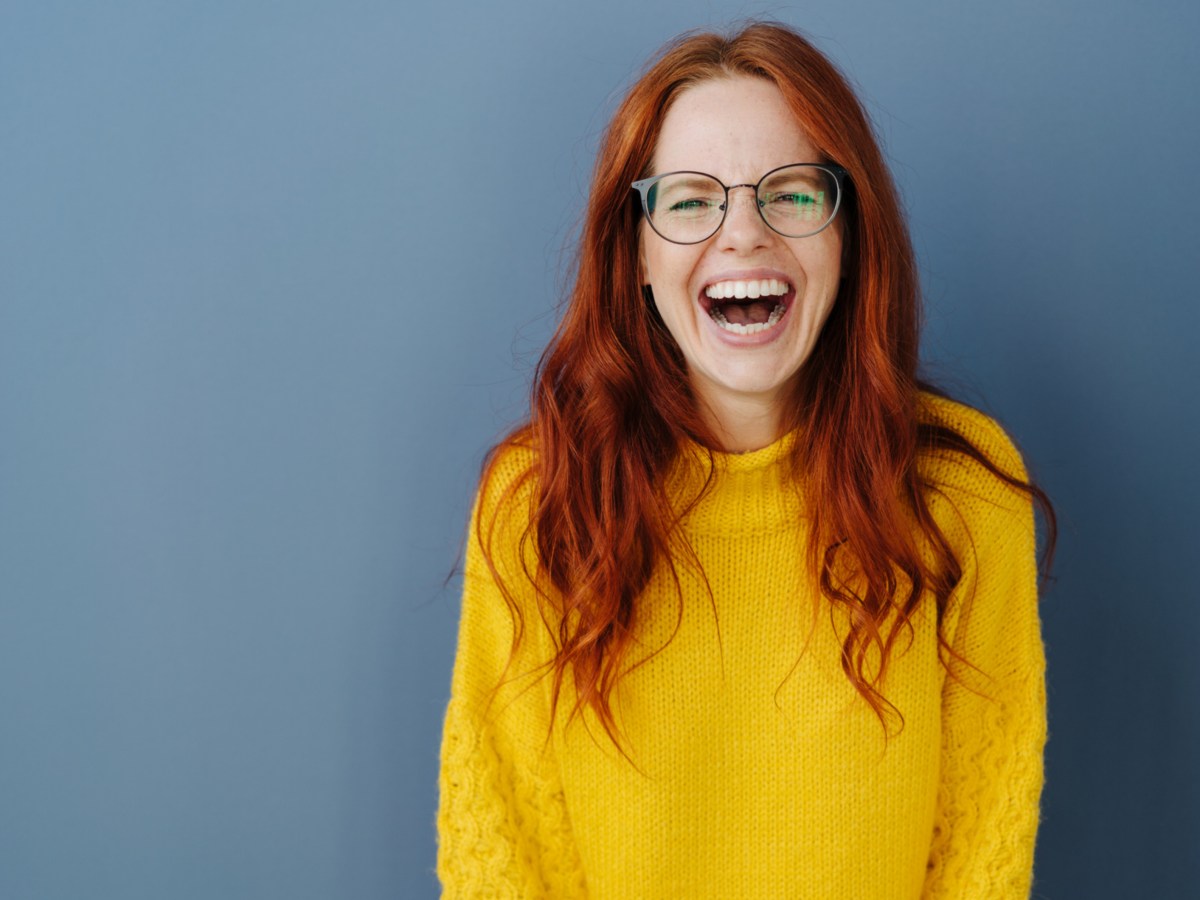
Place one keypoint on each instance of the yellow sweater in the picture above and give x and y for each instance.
(763, 772)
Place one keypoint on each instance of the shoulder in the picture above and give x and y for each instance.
(970, 501)
(948, 426)
(508, 476)
(504, 505)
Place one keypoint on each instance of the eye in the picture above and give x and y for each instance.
(797, 205)
(792, 199)
(694, 204)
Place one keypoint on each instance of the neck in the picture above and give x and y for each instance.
(741, 422)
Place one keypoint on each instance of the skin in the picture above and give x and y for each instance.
(737, 129)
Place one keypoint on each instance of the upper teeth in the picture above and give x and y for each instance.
(726, 290)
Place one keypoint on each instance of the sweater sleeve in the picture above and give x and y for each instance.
(502, 823)
(993, 719)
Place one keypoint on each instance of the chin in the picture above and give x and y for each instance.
(753, 385)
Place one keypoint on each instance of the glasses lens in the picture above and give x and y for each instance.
(686, 207)
(799, 200)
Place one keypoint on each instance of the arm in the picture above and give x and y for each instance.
(988, 801)
(502, 822)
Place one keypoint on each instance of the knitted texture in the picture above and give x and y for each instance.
(759, 771)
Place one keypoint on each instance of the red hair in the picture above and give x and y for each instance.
(611, 400)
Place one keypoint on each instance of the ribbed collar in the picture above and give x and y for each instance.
(750, 492)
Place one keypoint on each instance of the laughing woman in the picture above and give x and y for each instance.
(749, 610)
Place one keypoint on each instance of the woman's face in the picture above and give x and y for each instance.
(738, 129)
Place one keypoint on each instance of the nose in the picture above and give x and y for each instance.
(743, 228)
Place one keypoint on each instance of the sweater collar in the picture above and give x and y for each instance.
(749, 492)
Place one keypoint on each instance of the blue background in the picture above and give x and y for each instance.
(254, 342)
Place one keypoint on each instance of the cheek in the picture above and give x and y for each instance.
(648, 264)
(655, 265)
(665, 267)
(822, 266)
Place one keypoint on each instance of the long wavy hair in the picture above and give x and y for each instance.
(611, 403)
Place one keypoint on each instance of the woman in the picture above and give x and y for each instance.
(748, 610)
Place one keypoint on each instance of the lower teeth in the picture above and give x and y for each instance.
(719, 318)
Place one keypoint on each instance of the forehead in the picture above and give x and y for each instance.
(735, 128)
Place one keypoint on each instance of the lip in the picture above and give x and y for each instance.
(759, 274)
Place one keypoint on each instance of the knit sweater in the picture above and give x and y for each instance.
(760, 771)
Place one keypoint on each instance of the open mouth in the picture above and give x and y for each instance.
(747, 307)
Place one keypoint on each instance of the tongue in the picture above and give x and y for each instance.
(751, 313)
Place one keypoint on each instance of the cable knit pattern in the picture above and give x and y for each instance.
(503, 827)
(992, 761)
(761, 773)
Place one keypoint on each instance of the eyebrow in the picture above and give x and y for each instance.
(692, 182)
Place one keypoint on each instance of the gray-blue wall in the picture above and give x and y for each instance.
(254, 341)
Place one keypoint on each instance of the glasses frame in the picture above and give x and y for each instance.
(840, 175)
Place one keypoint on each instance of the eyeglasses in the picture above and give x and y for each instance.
(798, 200)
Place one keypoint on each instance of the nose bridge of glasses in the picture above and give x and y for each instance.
(733, 187)
(752, 199)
